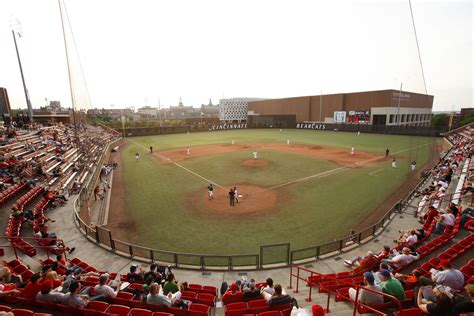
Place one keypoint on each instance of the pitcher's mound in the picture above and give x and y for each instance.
(252, 199)
(255, 163)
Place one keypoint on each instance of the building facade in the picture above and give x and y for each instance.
(5, 110)
(384, 107)
(234, 109)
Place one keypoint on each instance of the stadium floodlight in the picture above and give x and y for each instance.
(15, 25)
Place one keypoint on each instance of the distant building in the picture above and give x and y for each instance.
(52, 114)
(234, 109)
(179, 112)
(209, 110)
(5, 109)
(148, 111)
(113, 114)
(383, 107)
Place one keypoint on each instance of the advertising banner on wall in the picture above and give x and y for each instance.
(359, 117)
(339, 117)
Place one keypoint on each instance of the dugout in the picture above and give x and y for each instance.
(266, 121)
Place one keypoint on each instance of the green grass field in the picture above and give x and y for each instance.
(314, 211)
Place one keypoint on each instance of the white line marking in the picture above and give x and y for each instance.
(336, 170)
(373, 172)
(181, 166)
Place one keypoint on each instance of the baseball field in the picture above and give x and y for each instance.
(307, 192)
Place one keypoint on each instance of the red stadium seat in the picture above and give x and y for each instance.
(236, 309)
(270, 313)
(198, 310)
(195, 288)
(258, 306)
(140, 312)
(206, 299)
(123, 298)
(118, 309)
(411, 312)
(22, 312)
(162, 314)
(209, 290)
(98, 306)
(4, 308)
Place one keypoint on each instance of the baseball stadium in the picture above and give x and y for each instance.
(347, 202)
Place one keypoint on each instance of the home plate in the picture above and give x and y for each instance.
(240, 195)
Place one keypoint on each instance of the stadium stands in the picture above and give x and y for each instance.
(39, 168)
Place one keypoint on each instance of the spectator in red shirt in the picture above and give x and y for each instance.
(366, 263)
(32, 288)
(233, 295)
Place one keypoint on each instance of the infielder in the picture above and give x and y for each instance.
(352, 150)
(210, 192)
(287, 141)
(137, 156)
(255, 154)
(394, 163)
(188, 151)
(413, 165)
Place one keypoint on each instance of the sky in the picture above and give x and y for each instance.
(151, 52)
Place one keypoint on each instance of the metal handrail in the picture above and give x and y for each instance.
(329, 291)
(15, 248)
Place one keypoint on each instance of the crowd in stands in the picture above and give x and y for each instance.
(434, 288)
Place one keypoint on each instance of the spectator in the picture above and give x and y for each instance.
(170, 285)
(251, 292)
(156, 298)
(444, 220)
(465, 306)
(466, 215)
(391, 286)
(407, 239)
(442, 306)
(366, 263)
(367, 297)
(32, 287)
(278, 298)
(103, 289)
(133, 276)
(153, 274)
(73, 299)
(384, 253)
(403, 259)
(447, 276)
(269, 288)
(47, 295)
(414, 279)
(232, 295)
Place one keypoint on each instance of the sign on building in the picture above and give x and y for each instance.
(339, 117)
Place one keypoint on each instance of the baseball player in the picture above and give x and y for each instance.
(394, 163)
(287, 141)
(352, 150)
(232, 197)
(188, 151)
(413, 165)
(210, 192)
(236, 195)
(137, 156)
(255, 154)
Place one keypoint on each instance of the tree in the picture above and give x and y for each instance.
(440, 120)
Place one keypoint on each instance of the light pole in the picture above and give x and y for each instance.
(16, 24)
(320, 106)
(398, 107)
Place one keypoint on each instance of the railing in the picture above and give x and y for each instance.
(311, 284)
(104, 238)
(15, 249)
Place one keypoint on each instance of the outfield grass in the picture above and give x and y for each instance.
(318, 210)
